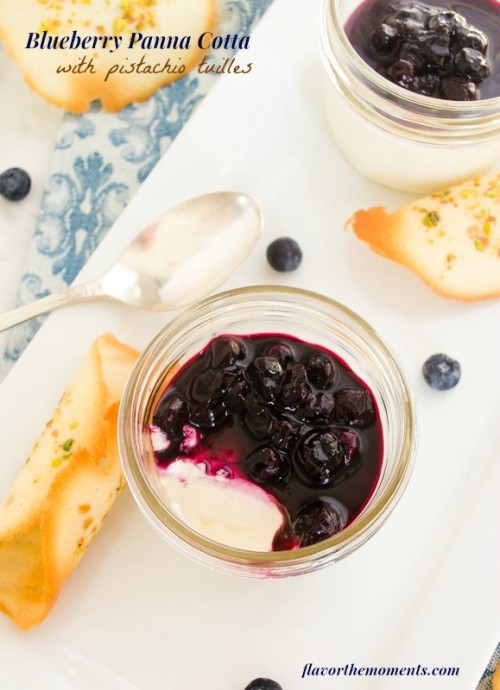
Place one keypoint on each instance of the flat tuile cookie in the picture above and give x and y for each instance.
(62, 495)
(451, 239)
(74, 90)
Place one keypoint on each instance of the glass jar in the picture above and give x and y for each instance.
(252, 310)
(396, 137)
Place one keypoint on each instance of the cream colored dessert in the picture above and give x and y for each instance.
(230, 511)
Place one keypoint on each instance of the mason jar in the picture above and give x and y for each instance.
(393, 136)
(256, 310)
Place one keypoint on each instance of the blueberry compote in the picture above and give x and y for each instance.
(448, 50)
(282, 414)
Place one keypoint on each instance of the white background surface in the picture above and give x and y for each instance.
(424, 590)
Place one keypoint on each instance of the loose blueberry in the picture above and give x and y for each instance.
(284, 254)
(15, 184)
(266, 466)
(354, 406)
(263, 684)
(317, 521)
(441, 372)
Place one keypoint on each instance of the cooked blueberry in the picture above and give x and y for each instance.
(473, 39)
(15, 184)
(266, 466)
(284, 254)
(472, 64)
(295, 388)
(455, 89)
(426, 84)
(226, 351)
(317, 521)
(234, 399)
(350, 441)
(258, 419)
(401, 72)
(320, 371)
(171, 415)
(441, 372)
(354, 406)
(319, 407)
(208, 386)
(320, 456)
(206, 417)
(266, 373)
(385, 38)
(282, 352)
(263, 684)
(285, 434)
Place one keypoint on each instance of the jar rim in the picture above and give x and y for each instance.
(185, 538)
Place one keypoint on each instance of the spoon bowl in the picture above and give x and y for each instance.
(182, 256)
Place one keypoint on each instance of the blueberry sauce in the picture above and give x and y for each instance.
(448, 50)
(286, 415)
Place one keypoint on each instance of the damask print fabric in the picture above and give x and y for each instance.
(100, 159)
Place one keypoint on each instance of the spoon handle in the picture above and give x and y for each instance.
(77, 293)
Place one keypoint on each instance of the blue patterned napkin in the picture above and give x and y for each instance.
(485, 682)
(100, 159)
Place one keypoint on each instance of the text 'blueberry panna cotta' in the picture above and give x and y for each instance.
(266, 443)
(430, 48)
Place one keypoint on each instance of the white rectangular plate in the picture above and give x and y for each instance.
(136, 614)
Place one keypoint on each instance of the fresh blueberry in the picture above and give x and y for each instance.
(266, 466)
(284, 254)
(441, 372)
(15, 184)
(318, 520)
(263, 684)
(354, 406)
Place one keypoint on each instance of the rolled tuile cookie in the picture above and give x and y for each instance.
(451, 239)
(121, 61)
(63, 493)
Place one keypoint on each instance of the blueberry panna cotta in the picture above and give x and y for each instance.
(297, 420)
(284, 254)
(428, 50)
(441, 372)
(263, 684)
(15, 184)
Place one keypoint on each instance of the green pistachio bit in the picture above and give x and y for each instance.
(431, 219)
(56, 462)
(68, 444)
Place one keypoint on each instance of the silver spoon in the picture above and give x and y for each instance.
(182, 256)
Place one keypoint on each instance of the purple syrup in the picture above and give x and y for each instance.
(432, 52)
(287, 415)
